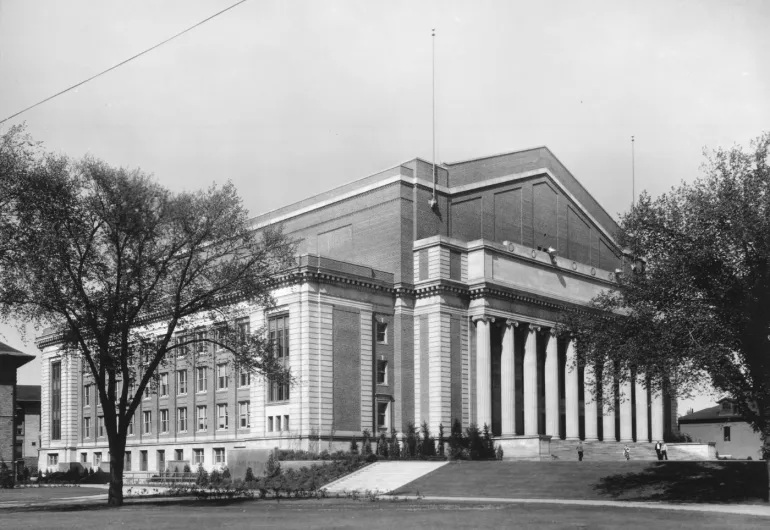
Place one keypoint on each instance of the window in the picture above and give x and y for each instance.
(200, 381)
(269, 424)
(222, 416)
(181, 420)
(97, 459)
(163, 385)
(286, 423)
(278, 423)
(147, 421)
(221, 376)
(101, 426)
(278, 329)
(243, 414)
(86, 427)
(727, 406)
(243, 330)
(161, 460)
(202, 424)
(130, 430)
(127, 461)
(147, 391)
(198, 456)
(382, 372)
(245, 379)
(143, 460)
(56, 401)
(83, 458)
(382, 332)
(219, 455)
(87, 395)
(181, 382)
(200, 342)
(164, 420)
(382, 416)
(53, 459)
(178, 454)
(726, 432)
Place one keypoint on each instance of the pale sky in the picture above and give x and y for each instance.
(289, 98)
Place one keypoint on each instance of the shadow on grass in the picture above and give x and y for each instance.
(690, 482)
(94, 506)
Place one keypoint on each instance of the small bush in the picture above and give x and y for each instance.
(353, 446)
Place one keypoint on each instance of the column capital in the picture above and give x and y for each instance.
(552, 331)
(511, 323)
(483, 318)
(534, 328)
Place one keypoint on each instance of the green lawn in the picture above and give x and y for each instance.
(46, 493)
(377, 515)
(658, 481)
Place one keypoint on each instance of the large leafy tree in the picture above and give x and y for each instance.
(130, 275)
(699, 311)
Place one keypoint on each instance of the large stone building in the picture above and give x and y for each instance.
(399, 310)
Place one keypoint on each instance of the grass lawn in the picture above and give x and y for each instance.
(384, 514)
(45, 493)
(658, 481)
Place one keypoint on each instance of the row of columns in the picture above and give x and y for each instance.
(572, 399)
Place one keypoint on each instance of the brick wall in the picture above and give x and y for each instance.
(7, 430)
(347, 370)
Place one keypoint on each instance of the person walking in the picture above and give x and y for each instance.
(658, 448)
(627, 452)
(664, 451)
(580, 451)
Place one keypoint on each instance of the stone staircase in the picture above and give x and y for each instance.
(383, 477)
(613, 451)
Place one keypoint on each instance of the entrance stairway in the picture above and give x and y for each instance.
(383, 477)
(612, 451)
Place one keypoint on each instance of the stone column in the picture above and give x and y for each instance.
(626, 410)
(508, 381)
(530, 381)
(590, 400)
(571, 398)
(656, 416)
(608, 404)
(552, 385)
(642, 434)
(483, 370)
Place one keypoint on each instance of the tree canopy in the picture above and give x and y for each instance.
(126, 272)
(699, 310)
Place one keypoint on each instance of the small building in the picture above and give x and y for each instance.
(27, 424)
(723, 425)
(10, 360)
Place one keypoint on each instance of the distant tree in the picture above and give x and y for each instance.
(128, 273)
(700, 308)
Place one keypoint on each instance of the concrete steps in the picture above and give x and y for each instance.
(613, 451)
(383, 477)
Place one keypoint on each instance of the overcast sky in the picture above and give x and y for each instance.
(288, 99)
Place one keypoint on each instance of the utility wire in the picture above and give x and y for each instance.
(124, 62)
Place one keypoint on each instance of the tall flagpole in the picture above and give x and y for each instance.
(433, 202)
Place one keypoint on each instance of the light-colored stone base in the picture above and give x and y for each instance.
(698, 451)
(532, 447)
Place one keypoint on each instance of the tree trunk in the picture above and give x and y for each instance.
(115, 495)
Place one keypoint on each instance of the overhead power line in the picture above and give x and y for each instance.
(123, 62)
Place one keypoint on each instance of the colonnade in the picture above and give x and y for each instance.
(534, 334)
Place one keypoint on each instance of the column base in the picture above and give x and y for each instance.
(627, 440)
(572, 439)
(527, 447)
(593, 439)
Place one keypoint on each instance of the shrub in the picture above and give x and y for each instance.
(249, 475)
(395, 449)
(475, 443)
(203, 477)
(353, 446)
(272, 467)
(366, 440)
(187, 468)
(499, 453)
(489, 445)
(215, 477)
(410, 443)
(428, 445)
(441, 439)
(226, 474)
(382, 446)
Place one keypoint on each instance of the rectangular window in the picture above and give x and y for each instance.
(83, 458)
(278, 331)
(200, 381)
(181, 382)
(219, 455)
(286, 423)
(127, 461)
(269, 424)
(181, 417)
(86, 427)
(164, 385)
(147, 421)
(221, 376)
(164, 420)
(56, 401)
(222, 416)
(243, 414)
(202, 424)
(243, 330)
(382, 372)
(53, 459)
(726, 433)
(161, 460)
(101, 426)
(198, 456)
(178, 454)
(382, 416)
(130, 430)
(143, 460)
(87, 395)
(200, 342)
(278, 423)
(245, 379)
(97, 459)
(382, 332)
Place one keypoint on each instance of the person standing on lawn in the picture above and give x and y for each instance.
(664, 451)
(627, 452)
(658, 448)
(580, 451)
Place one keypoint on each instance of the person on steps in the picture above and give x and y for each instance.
(627, 452)
(580, 451)
(658, 448)
(664, 451)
